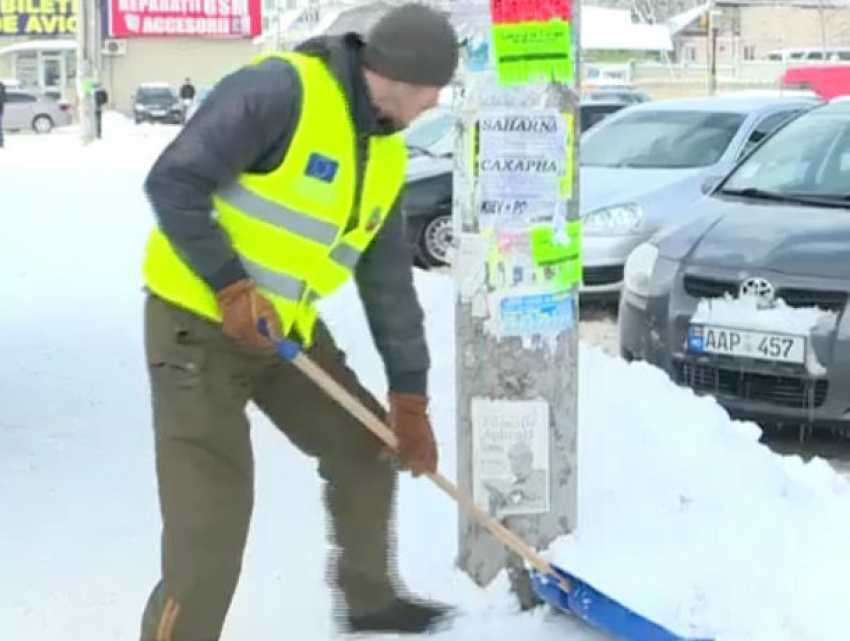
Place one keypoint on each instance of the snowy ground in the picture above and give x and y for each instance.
(682, 513)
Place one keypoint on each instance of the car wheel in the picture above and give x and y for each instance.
(42, 124)
(436, 240)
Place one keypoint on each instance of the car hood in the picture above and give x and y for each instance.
(605, 186)
(738, 234)
(421, 166)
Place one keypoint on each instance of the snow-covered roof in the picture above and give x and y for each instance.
(682, 21)
(613, 29)
(40, 45)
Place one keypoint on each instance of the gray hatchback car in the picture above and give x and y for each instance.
(748, 301)
(28, 111)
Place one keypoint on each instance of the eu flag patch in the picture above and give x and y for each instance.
(321, 167)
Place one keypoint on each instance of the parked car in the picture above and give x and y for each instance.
(157, 102)
(627, 95)
(28, 111)
(775, 232)
(827, 81)
(593, 112)
(427, 199)
(645, 167)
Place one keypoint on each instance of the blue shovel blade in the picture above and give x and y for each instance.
(598, 610)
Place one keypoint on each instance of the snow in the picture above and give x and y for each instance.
(683, 515)
(746, 312)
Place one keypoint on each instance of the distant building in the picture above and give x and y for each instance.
(752, 30)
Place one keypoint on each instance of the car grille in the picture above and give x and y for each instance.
(785, 391)
(701, 287)
(603, 275)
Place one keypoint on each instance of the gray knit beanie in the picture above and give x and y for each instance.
(415, 44)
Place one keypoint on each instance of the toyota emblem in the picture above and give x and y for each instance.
(760, 289)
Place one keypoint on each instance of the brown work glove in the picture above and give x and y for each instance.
(408, 419)
(241, 308)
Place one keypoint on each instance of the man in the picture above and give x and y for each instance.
(300, 158)
(526, 493)
(2, 109)
(187, 95)
(101, 97)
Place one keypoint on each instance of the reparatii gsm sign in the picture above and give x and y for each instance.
(38, 17)
(186, 18)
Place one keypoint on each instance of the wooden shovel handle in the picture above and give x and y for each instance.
(383, 432)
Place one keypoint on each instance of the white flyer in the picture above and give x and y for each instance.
(510, 456)
(522, 153)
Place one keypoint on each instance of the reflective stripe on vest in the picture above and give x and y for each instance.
(271, 212)
(290, 228)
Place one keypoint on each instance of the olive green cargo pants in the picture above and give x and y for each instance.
(201, 382)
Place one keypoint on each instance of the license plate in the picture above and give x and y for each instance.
(728, 341)
(158, 112)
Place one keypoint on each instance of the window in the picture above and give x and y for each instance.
(661, 138)
(808, 157)
(689, 53)
(749, 52)
(765, 126)
(152, 92)
(14, 96)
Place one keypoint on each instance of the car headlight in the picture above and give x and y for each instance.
(639, 267)
(618, 220)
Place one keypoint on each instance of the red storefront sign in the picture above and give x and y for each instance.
(185, 18)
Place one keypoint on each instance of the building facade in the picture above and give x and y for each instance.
(749, 31)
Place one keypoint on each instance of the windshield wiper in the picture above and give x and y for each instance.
(763, 194)
(422, 150)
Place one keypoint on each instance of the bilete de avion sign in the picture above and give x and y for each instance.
(185, 18)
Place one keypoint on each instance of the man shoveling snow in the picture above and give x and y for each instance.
(300, 157)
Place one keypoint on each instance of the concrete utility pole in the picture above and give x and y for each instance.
(88, 65)
(517, 268)
(713, 15)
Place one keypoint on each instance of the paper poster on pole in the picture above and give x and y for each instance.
(510, 456)
(532, 40)
(532, 310)
(522, 155)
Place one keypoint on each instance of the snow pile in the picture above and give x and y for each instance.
(745, 312)
(684, 516)
(687, 518)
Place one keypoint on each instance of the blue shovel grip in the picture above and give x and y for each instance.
(286, 349)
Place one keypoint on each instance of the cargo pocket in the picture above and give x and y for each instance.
(175, 353)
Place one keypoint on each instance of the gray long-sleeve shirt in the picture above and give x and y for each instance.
(246, 124)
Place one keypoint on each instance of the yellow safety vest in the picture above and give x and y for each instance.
(288, 227)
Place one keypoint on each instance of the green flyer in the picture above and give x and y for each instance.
(533, 51)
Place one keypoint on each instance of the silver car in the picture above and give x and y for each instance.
(646, 166)
(27, 111)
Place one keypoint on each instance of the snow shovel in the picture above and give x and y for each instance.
(555, 586)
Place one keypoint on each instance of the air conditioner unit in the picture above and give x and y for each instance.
(114, 47)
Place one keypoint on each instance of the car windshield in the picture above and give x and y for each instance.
(808, 157)
(428, 131)
(662, 139)
(156, 93)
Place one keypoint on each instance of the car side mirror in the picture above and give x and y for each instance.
(710, 183)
